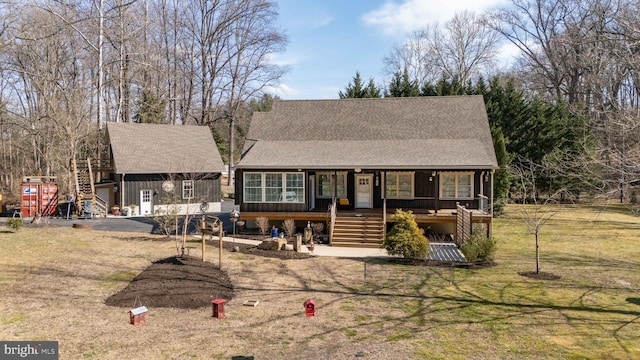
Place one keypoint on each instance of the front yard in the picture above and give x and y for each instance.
(54, 283)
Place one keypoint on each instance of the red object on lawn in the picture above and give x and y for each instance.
(310, 307)
(218, 307)
(138, 315)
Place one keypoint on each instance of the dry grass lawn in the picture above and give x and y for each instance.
(54, 281)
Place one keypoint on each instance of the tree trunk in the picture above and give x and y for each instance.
(537, 253)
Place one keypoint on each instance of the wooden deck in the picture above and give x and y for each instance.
(422, 216)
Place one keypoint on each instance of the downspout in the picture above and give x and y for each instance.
(122, 190)
(482, 174)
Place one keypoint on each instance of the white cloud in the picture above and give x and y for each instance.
(320, 22)
(400, 18)
(507, 54)
(283, 91)
(286, 59)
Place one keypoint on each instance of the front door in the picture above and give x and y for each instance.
(145, 202)
(364, 191)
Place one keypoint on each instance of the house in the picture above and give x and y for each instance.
(156, 167)
(357, 160)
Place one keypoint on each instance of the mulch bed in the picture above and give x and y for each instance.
(187, 282)
(184, 283)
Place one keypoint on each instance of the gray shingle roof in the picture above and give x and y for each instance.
(155, 148)
(416, 132)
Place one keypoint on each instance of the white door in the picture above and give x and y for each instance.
(364, 191)
(145, 202)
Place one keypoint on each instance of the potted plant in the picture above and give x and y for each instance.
(115, 210)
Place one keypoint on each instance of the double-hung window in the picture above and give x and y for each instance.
(328, 184)
(456, 185)
(187, 189)
(253, 187)
(274, 187)
(399, 185)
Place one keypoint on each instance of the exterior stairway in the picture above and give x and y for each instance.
(358, 231)
(85, 189)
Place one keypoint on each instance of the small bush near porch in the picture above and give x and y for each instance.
(406, 238)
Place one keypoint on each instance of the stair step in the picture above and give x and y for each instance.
(357, 244)
(358, 231)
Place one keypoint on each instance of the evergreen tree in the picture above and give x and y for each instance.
(501, 178)
(263, 104)
(402, 86)
(357, 89)
(151, 109)
(406, 238)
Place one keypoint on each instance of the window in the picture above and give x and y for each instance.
(399, 185)
(274, 187)
(187, 189)
(456, 185)
(326, 184)
(295, 188)
(253, 187)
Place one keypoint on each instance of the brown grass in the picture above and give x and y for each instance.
(54, 282)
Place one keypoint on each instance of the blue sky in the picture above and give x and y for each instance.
(329, 40)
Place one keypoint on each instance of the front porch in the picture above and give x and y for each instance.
(368, 227)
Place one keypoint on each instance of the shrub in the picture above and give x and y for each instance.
(317, 229)
(167, 220)
(289, 227)
(479, 247)
(406, 238)
(263, 224)
(15, 224)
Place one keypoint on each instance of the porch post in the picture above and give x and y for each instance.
(335, 184)
(122, 191)
(490, 227)
(383, 190)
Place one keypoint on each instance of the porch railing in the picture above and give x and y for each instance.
(483, 203)
(332, 211)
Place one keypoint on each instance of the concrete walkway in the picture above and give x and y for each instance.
(324, 250)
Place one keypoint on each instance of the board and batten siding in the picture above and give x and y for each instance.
(207, 189)
(426, 192)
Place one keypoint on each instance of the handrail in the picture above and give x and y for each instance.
(332, 209)
(101, 205)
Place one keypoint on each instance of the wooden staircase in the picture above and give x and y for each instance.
(85, 190)
(358, 231)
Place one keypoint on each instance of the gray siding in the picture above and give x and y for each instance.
(208, 189)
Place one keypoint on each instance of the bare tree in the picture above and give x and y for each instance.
(465, 48)
(414, 56)
(462, 48)
(248, 70)
(68, 66)
(585, 53)
(48, 61)
(537, 212)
